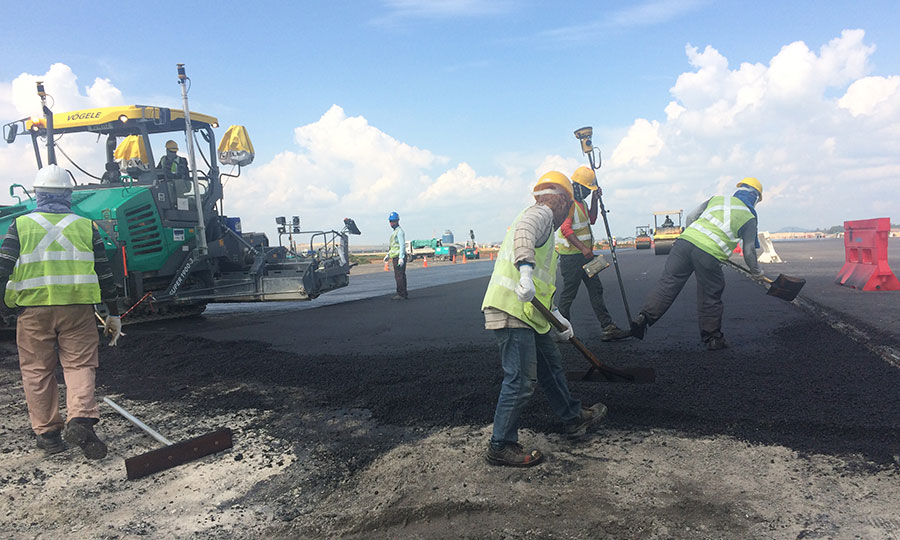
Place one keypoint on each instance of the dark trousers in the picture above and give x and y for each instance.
(400, 277)
(686, 259)
(570, 266)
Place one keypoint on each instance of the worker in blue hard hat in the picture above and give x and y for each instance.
(397, 255)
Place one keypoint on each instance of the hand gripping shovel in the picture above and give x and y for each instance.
(784, 287)
(608, 373)
(172, 454)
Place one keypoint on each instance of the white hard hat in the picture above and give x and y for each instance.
(52, 177)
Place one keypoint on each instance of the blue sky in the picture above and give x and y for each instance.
(446, 111)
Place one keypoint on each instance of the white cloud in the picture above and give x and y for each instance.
(822, 159)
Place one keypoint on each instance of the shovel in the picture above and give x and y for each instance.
(172, 454)
(784, 287)
(608, 373)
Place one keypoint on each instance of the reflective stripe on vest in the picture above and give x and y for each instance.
(501, 291)
(581, 227)
(716, 230)
(395, 244)
(56, 262)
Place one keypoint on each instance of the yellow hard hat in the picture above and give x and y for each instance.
(586, 177)
(172, 145)
(754, 183)
(555, 178)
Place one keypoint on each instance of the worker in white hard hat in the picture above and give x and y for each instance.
(525, 269)
(57, 270)
(575, 245)
(712, 234)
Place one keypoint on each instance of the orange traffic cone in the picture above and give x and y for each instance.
(738, 250)
(492, 255)
(424, 262)
(454, 259)
(464, 258)
(386, 267)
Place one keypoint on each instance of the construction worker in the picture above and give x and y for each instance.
(172, 165)
(57, 269)
(526, 269)
(113, 173)
(397, 255)
(575, 247)
(668, 222)
(712, 233)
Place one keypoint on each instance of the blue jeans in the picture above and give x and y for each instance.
(528, 358)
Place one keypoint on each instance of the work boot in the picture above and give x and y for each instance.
(638, 326)
(716, 343)
(80, 432)
(50, 443)
(513, 455)
(398, 297)
(590, 416)
(611, 332)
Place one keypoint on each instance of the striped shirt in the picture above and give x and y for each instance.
(534, 229)
(9, 254)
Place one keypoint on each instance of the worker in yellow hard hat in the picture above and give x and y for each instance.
(712, 234)
(525, 269)
(172, 165)
(575, 245)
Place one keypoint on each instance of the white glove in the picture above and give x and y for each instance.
(113, 324)
(387, 258)
(568, 332)
(525, 289)
(401, 262)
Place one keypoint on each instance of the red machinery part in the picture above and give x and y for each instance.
(865, 248)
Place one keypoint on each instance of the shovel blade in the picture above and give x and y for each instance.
(635, 375)
(178, 453)
(786, 287)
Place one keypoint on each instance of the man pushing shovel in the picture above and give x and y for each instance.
(525, 269)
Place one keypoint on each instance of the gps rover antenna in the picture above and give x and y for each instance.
(584, 136)
(202, 249)
(48, 115)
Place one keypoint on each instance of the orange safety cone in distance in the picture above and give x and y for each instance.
(464, 258)
(738, 250)
(492, 255)
(424, 262)
(386, 267)
(454, 259)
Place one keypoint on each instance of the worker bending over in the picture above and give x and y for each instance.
(525, 269)
(57, 269)
(575, 246)
(397, 255)
(712, 233)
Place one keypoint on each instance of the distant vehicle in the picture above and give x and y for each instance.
(471, 249)
(667, 232)
(642, 238)
(444, 252)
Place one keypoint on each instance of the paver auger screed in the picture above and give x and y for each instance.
(172, 454)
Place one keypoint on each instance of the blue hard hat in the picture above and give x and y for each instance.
(394, 216)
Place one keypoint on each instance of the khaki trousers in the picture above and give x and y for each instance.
(39, 330)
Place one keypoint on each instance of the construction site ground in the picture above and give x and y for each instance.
(356, 416)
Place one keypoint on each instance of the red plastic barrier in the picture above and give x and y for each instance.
(866, 247)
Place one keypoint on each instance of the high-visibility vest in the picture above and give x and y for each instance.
(56, 262)
(716, 230)
(581, 226)
(501, 291)
(395, 244)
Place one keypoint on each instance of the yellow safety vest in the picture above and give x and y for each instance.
(501, 291)
(716, 230)
(56, 262)
(581, 226)
(394, 250)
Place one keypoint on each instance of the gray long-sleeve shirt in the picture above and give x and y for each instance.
(747, 233)
(532, 231)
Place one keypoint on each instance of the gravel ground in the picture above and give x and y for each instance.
(791, 433)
